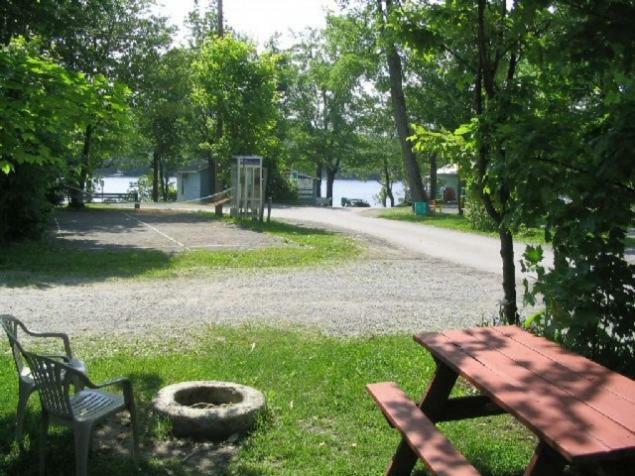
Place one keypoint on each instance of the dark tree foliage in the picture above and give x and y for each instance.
(586, 140)
(25, 201)
(551, 144)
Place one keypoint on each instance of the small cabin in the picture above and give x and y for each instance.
(447, 183)
(194, 181)
(306, 185)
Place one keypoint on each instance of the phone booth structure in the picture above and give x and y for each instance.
(247, 183)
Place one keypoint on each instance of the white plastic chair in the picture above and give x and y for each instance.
(26, 384)
(81, 411)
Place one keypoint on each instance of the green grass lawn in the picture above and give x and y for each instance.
(320, 421)
(40, 261)
(453, 221)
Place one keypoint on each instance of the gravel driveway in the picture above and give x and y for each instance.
(382, 293)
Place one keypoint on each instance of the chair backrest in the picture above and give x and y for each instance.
(53, 380)
(10, 325)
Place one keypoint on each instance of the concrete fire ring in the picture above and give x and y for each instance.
(209, 409)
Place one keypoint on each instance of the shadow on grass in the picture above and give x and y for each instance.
(85, 259)
(41, 264)
(160, 454)
(60, 454)
(281, 228)
(147, 384)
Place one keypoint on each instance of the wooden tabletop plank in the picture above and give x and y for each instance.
(574, 408)
(569, 436)
(587, 383)
(592, 371)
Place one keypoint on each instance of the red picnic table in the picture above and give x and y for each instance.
(582, 413)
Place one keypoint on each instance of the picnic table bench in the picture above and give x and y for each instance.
(582, 413)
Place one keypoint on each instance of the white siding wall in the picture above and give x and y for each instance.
(188, 186)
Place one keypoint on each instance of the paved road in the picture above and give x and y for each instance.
(466, 249)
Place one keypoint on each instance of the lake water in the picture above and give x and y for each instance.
(115, 184)
(366, 190)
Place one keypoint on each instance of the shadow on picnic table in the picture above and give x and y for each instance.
(582, 413)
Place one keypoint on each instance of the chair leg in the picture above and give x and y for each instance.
(25, 391)
(44, 428)
(135, 431)
(129, 401)
(82, 433)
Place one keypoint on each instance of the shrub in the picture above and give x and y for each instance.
(24, 202)
(477, 216)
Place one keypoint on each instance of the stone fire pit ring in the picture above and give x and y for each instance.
(209, 409)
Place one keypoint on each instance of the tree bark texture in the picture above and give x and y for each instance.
(318, 182)
(388, 186)
(459, 192)
(510, 310)
(211, 167)
(220, 27)
(400, 112)
(433, 177)
(330, 179)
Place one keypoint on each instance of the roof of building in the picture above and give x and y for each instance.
(193, 167)
(200, 165)
(448, 170)
(294, 174)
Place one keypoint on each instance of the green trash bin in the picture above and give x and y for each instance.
(421, 208)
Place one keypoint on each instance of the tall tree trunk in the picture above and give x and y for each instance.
(155, 175)
(400, 112)
(330, 178)
(77, 197)
(485, 85)
(215, 165)
(212, 168)
(388, 186)
(510, 310)
(459, 192)
(166, 184)
(318, 182)
(433, 177)
(220, 28)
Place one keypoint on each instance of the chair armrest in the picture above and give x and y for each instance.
(82, 378)
(126, 387)
(64, 358)
(121, 381)
(52, 335)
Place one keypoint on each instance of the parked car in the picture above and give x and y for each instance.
(354, 202)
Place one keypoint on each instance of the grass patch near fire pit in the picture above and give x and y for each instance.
(319, 421)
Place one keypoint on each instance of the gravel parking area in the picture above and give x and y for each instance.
(390, 289)
(375, 295)
(164, 230)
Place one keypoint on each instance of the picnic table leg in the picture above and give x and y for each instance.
(545, 462)
(432, 404)
(615, 468)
